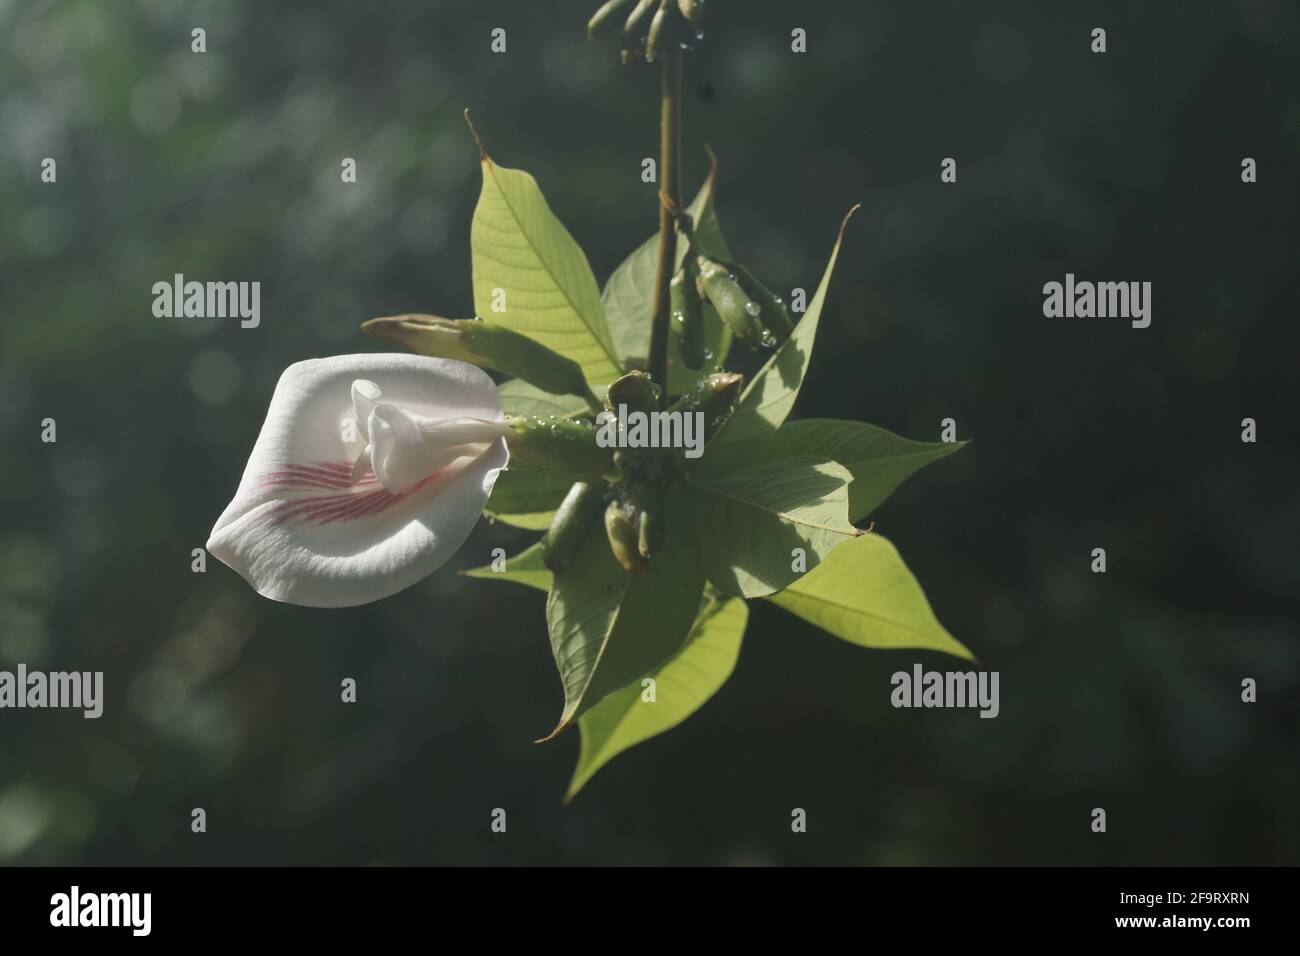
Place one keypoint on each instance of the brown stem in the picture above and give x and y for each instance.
(670, 175)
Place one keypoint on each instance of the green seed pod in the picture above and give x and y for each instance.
(621, 529)
(636, 390)
(646, 500)
(573, 519)
(688, 313)
(660, 33)
(630, 46)
(714, 395)
(605, 19)
(777, 325)
(487, 345)
(561, 446)
(734, 307)
(692, 10)
(636, 18)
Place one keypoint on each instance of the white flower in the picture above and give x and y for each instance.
(370, 471)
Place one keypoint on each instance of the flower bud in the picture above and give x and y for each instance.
(777, 325)
(734, 306)
(486, 345)
(646, 501)
(636, 390)
(688, 314)
(621, 529)
(605, 19)
(561, 446)
(660, 33)
(636, 18)
(573, 519)
(715, 395)
(692, 10)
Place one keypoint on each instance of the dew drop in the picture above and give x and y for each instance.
(753, 308)
(767, 339)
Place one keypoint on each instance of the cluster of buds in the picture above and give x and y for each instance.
(633, 499)
(651, 26)
(755, 315)
(634, 518)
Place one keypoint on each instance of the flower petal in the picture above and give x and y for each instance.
(300, 530)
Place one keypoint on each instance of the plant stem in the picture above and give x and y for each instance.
(670, 177)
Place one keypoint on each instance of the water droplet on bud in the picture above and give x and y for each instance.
(767, 339)
(753, 308)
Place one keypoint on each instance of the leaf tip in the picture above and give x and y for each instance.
(844, 223)
(713, 165)
(482, 153)
(562, 726)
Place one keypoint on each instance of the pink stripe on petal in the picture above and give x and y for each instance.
(361, 500)
(324, 475)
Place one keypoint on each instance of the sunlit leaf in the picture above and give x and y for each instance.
(878, 460)
(758, 524)
(527, 499)
(682, 685)
(526, 261)
(526, 568)
(520, 398)
(864, 593)
(609, 627)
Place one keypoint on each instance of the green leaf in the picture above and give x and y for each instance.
(683, 684)
(629, 297)
(525, 568)
(878, 460)
(752, 520)
(527, 499)
(767, 401)
(609, 628)
(864, 593)
(519, 246)
(528, 401)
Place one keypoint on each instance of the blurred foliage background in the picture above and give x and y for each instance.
(1119, 691)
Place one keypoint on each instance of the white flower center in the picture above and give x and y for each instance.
(404, 448)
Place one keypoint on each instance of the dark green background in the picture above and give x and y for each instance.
(1118, 690)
